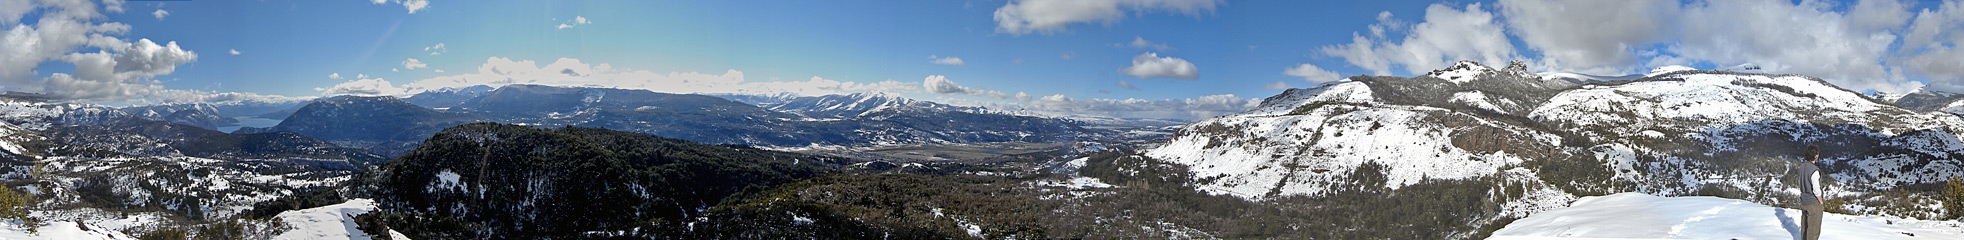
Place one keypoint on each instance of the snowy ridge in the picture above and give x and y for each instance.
(1637, 215)
(1676, 132)
(1708, 100)
(1461, 72)
(1335, 92)
(861, 105)
(1307, 141)
(330, 222)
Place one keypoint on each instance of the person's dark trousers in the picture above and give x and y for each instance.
(1811, 215)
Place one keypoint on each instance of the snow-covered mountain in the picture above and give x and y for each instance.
(858, 105)
(132, 175)
(1673, 132)
(448, 97)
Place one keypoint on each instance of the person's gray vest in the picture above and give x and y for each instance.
(1809, 183)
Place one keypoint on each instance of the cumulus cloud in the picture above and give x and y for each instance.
(334, 75)
(411, 5)
(160, 13)
(1311, 73)
(1447, 35)
(122, 73)
(1784, 37)
(438, 49)
(413, 64)
(363, 87)
(577, 21)
(1020, 17)
(941, 85)
(105, 68)
(1606, 44)
(235, 52)
(1140, 42)
(498, 71)
(1150, 65)
(951, 60)
(1930, 46)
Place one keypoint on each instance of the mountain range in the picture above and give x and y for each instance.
(1459, 152)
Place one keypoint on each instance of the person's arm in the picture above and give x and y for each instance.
(1818, 194)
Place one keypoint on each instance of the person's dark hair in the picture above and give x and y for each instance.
(1813, 152)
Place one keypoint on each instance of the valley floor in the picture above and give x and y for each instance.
(1637, 215)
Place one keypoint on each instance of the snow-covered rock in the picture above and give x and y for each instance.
(1637, 215)
(330, 222)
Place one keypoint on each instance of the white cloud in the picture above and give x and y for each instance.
(577, 21)
(1068, 55)
(1606, 44)
(413, 64)
(363, 87)
(1127, 85)
(497, 71)
(1277, 85)
(436, 50)
(120, 75)
(334, 76)
(1783, 37)
(1140, 42)
(1046, 16)
(1872, 15)
(360, 76)
(160, 13)
(411, 5)
(437, 70)
(1930, 46)
(1150, 65)
(235, 52)
(1447, 35)
(941, 85)
(1312, 73)
(951, 60)
(61, 30)
(1854, 46)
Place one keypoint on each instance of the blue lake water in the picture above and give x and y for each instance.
(258, 122)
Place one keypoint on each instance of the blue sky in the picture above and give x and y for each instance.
(1193, 58)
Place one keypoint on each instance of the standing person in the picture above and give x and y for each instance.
(1811, 200)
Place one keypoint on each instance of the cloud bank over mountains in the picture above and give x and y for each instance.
(1879, 45)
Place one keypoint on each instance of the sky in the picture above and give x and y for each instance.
(1175, 59)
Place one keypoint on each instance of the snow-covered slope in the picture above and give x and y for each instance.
(1674, 132)
(60, 231)
(330, 222)
(1306, 141)
(1637, 215)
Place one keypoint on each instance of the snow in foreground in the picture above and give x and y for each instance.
(1637, 215)
(330, 222)
(58, 230)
